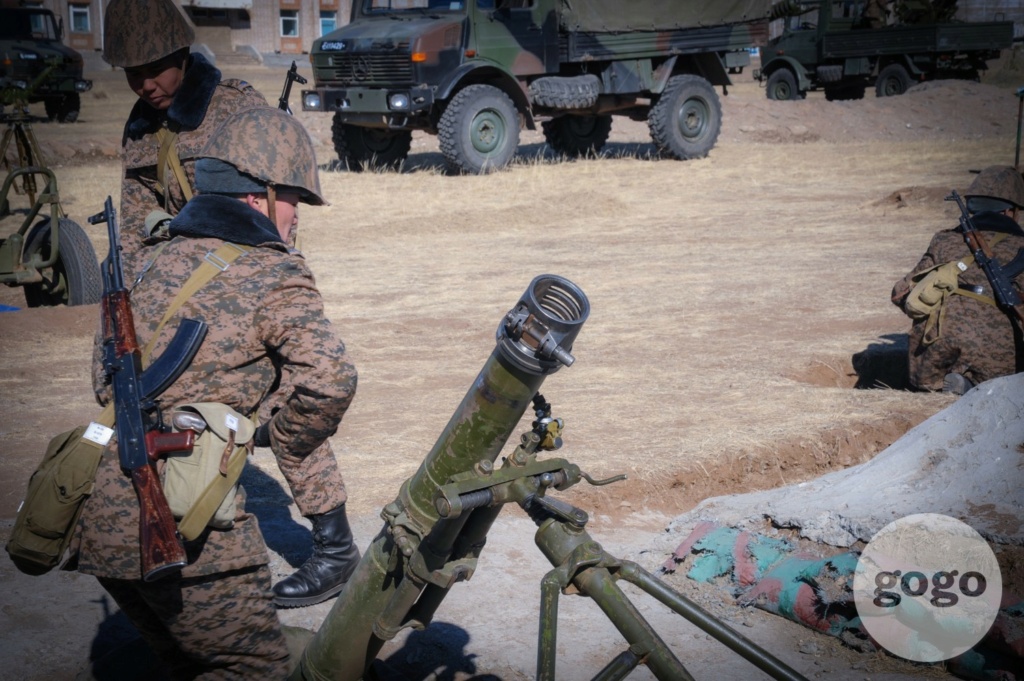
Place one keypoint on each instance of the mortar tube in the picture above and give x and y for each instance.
(345, 645)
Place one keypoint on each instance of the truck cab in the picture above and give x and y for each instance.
(33, 59)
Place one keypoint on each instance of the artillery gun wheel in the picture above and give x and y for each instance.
(479, 130)
(686, 119)
(362, 148)
(893, 80)
(63, 109)
(577, 135)
(782, 86)
(75, 278)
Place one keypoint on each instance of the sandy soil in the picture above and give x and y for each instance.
(741, 339)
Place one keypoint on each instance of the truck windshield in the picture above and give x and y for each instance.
(23, 24)
(417, 6)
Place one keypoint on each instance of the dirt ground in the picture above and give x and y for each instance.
(741, 338)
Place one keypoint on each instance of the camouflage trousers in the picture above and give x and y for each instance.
(222, 626)
(315, 481)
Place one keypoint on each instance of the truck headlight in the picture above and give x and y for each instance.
(83, 85)
(398, 101)
(311, 101)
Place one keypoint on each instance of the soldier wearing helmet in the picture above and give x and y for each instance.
(182, 100)
(959, 336)
(266, 327)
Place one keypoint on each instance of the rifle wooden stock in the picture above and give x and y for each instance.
(162, 550)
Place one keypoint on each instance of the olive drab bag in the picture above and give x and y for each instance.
(932, 289)
(47, 517)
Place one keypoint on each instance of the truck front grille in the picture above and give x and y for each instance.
(369, 69)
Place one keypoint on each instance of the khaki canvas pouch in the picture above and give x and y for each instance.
(200, 487)
(53, 502)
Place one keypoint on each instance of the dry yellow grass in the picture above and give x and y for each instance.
(719, 289)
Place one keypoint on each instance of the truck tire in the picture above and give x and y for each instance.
(686, 119)
(782, 86)
(479, 130)
(575, 136)
(63, 109)
(360, 148)
(75, 278)
(578, 92)
(893, 80)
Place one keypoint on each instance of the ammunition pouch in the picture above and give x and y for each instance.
(932, 289)
(200, 487)
(56, 492)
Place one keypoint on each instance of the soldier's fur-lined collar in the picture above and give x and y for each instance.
(188, 109)
(222, 217)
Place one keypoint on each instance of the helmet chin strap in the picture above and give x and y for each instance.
(272, 204)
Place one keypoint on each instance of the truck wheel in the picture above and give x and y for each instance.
(75, 278)
(782, 86)
(63, 109)
(360, 148)
(577, 135)
(686, 119)
(893, 80)
(578, 92)
(479, 130)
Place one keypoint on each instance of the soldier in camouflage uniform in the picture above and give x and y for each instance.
(976, 341)
(216, 619)
(184, 94)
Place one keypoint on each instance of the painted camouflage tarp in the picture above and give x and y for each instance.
(602, 16)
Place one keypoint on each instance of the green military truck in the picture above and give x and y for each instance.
(833, 46)
(474, 72)
(30, 41)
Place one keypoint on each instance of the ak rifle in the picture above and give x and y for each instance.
(141, 439)
(291, 77)
(1005, 295)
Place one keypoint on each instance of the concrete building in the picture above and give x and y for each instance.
(233, 30)
(249, 30)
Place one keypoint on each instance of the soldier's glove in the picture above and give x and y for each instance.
(262, 436)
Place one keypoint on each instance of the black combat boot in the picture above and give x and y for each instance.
(334, 559)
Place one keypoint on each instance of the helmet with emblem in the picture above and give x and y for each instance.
(996, 188)
(138, 32)
(257, 147)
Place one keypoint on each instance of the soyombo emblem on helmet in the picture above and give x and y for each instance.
(271, 146)
(138, 32)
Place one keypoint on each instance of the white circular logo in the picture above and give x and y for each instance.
(927, 587)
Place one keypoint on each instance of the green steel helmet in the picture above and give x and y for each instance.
(996, 188)
(138, 32)
(268, 145)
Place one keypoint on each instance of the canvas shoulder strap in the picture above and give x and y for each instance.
(168, 156)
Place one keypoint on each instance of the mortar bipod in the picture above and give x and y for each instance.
(581, 565)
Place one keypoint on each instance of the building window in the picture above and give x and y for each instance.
(290, 23)
(80, 18)
(328, 21)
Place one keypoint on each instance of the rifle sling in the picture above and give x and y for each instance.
(168, 155)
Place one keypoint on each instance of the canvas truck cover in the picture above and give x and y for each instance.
(616, 16)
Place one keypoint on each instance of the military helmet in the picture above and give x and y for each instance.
(269, 145)
(996, 188)
(138, 32)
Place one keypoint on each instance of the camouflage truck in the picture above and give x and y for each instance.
(30, 41)
(474, 72)
(841, 48)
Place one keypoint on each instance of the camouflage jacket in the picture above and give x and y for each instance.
(977, 340)
(202, 103)
(265, 317)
